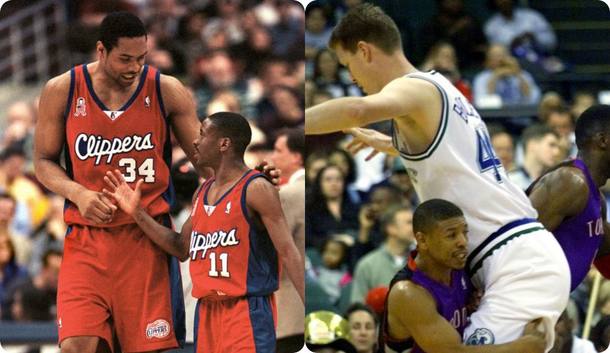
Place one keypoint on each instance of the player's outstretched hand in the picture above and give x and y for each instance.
(270, 172)
(535, 332)
(95, 207)
(127, 198)
(369, 138)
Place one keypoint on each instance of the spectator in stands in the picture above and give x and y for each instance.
(442, 58)
(370, 232)
(380, 265)
(512, 27)
(288, 154)
(581, 102)
(503, 78)
(328, 76)
(363, 326)
(216, 72)
(10, 270)
(281, 108)
(329, 209)
(317, 31)
(562, 122)
(315, 162)
(342, 159)
(31, 304)
(20, 245)
(14, 180)
(504, 146)
(399, 179)
(463, 31)
(289, 32)
(43, 283)
(566, 342)
(541, 146)
(51, 232)
(332, 274)
(549, 101)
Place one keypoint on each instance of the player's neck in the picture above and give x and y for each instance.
(433, 269)
(392, 67)
(229, 171)
(597, 167)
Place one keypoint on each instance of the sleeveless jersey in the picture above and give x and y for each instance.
(134, 139)
(581, 236)
(229, 257)
(461, 166)
(450, 301)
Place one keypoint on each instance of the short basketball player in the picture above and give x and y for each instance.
(426, 308)
(235, 238)
(445, 147)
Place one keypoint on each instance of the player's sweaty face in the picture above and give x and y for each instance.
(204, 142)
(352, 62)
(449, 242)
(124, 62)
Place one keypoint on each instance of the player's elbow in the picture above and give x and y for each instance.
(358, 111)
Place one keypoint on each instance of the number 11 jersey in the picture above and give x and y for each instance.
(229, 255)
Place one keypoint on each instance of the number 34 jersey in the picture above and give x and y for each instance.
(461, 166)
(133, 139)
(229, 255)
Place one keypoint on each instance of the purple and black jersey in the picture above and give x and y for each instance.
(450, 301)
(581, 236)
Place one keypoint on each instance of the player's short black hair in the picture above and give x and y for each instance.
(594, 120)
(368, 23)
(235, 127)
(120, 25)
(295, 140)
(430, 212)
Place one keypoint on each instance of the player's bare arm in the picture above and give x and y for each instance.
(180, 107)
(558, 195)
(49, 142)
(399, 98)
(263, 198)
(128, 199)
(412, 313)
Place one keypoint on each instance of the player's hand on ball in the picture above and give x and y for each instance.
(127, 198)
(95, 207)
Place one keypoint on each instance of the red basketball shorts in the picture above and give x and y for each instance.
(115, 281)
(236, 325)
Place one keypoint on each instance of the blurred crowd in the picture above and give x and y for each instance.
(234, 55)
(359, 212)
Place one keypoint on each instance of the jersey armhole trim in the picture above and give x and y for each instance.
(70, 94)
(159, 96)
(439, 134)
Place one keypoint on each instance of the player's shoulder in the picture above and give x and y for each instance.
(60, 82)
(169, 82)
(406, 291)
(568, 178)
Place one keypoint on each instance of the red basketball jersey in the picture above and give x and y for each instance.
(133, 139)
(229, 257)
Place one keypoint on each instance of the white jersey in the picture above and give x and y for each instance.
(460, 166)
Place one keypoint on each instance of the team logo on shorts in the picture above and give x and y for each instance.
(81, 107)
(481, 336)
(157, 329)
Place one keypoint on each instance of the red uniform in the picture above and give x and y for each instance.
(235, 269)
(113, 272)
